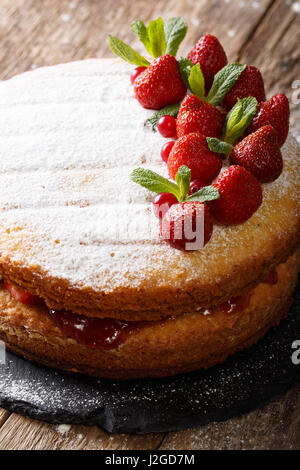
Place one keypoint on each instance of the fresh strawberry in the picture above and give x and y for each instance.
(196, 115)
(260, 154)
(211, 56)
(21, 295)
(160, 84)
(249, 83)
(187, 225)
(192, 150)
(275, 111)
(240, 196)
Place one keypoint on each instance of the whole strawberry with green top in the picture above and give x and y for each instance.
(249, 83)
(160, 84)
(192, 150)
(259, 152)
(196, 115)
(186, 224)
(200, 113)
(209, 53)
(240, 196)
(276, 112)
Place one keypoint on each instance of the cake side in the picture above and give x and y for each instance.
(77, 232)
(187, 342)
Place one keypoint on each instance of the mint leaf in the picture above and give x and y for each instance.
(185, 66)
(172, 110)
(239, 118)
(124, 51)
(207, 193)
(153, 36)
(154, 182)
(224, 81)
(175, 31)
(139, 29)
(183, 179)
(196, 81)
(218, 146)
(157, 39)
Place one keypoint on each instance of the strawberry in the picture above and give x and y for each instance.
(192, 150)
(249, 83)
(260, 154)
(160, 84)
(240, 196)
(196, 115)
(21, 295)
(275, 111)
(209, 53)
(187, 225)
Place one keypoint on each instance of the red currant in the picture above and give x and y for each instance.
(136, 72)
(162, 202)
(196, 185)
(165, 151)
(166, 125)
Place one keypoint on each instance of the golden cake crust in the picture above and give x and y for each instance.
(187, 342)
(48, 243)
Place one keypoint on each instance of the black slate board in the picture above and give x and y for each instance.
(245, 381)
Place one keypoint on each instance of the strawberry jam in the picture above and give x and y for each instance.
(272, 279)
(95, 333)
(236, 304)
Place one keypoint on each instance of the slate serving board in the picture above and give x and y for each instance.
(245, 381)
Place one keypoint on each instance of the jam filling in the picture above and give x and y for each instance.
(236, 304)
(108, 333)
(95, 333)
(272, 279)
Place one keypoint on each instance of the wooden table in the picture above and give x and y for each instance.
(264, 33)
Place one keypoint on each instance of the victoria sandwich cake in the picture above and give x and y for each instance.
(102, 165)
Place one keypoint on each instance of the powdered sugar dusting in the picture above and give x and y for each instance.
(70, 137)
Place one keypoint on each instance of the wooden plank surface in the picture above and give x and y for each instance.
(265, 33)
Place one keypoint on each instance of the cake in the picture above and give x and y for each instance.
(89, 284)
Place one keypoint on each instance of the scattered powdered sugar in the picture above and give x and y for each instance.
(231, 33)
(63, 429)
(70, 136)
(296, 7)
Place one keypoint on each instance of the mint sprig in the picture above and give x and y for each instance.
(175, 31)
(207, 193)
(171, 110)
(196, 81)
(224, 80)
(120, 49)
(218, 146)
(236, 122)
(153, 36)
(158, 184)
(183, 179)
(159, 38)
(239, 118)
(185, 66)
(154, 182)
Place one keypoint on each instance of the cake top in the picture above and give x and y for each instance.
(70, 137)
